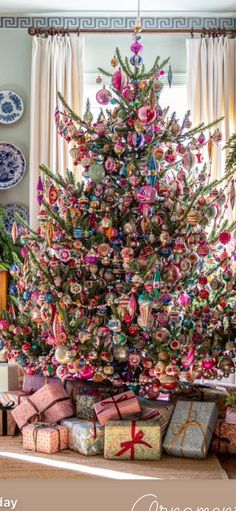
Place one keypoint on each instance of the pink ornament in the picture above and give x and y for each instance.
(208, 363)
(110, 164)
(146, 115)
(128, 94)
(184, 300)
(103, 96)
(86, 373)
(191, 356)
(147, 194)
(136, 47)
(119, 80)
(225, 237)
(170, 156)
(132, 306)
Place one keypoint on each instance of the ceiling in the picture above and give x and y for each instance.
(200, 7)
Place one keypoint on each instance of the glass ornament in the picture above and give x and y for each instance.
(104, 96)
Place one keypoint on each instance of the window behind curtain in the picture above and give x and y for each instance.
(174, 97)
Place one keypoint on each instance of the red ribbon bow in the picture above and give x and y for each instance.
(115, 402)
(137, 438)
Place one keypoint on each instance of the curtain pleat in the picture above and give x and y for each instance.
(57, 66)
(211, 84)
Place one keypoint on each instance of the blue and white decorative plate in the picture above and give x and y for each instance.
(10, 210)
(12, 165)
(11, 107)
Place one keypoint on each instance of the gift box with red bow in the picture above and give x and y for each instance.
(49, 404)
(46, 438)
(132, 440)
(117, 407)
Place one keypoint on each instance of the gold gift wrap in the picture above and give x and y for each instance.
(132, 439)
(84, 436)
(190, 430)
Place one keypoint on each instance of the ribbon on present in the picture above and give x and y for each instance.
(221, 441)
(114, 401)
(4, 409)
(136, 439)
(44, 425)
(180, 429)
(39, 415)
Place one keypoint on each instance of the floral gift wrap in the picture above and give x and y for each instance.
(132, 440)
(84, 436)
(190, 430)
(84, 405)
(224, 438)
(46, 438)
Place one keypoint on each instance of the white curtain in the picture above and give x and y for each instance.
(57, 65)
(211, 86)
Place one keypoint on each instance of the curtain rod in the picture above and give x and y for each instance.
(66, 31)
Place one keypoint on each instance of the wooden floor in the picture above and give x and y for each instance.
(17, 463)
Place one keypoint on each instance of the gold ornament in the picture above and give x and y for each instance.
(193, 217)
(175, 128)
(120, 353)
(114, 61)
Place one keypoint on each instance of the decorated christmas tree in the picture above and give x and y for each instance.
(131, 275)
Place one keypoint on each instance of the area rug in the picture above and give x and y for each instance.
(17, 463)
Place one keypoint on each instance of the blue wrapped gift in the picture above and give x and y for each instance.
(190, 429)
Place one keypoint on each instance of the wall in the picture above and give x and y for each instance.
(15, 56)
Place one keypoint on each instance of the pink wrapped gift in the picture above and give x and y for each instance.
(230, 417)
(117, 407)
(51, 404)
(47, 438)
(35, 382)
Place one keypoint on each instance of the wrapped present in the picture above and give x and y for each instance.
(132, 439)
(157, 411)
(47, 438)
(190, 430)
(49, 404)
(89, 388)
(8, 377)
(224, 438)
(117, 407)
(84, 436)
(35, 382)
(217, 395)
(14, 395)
(7, 423)
(85, 404)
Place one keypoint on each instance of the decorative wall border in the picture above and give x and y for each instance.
(102, 23)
